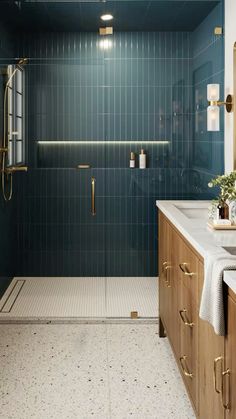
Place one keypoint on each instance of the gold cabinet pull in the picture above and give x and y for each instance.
(184, 318)
(216, 362)
(93, 208)
(185, 371)
(225, 400)
(165, 275)
(167, 280)
(3, 149)
(184, 269)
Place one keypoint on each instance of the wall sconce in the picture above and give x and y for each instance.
(213, 110)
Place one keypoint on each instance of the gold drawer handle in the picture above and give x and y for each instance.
(216, 362)
(184, 318)
(185, 371)
(184, 269)
(225, 403)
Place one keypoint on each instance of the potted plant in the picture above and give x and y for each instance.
(227, 196)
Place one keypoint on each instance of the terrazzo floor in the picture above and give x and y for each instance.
(101, 371)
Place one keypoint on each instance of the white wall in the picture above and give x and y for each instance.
(230, 39)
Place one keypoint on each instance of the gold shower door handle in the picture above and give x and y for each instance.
(93, 208)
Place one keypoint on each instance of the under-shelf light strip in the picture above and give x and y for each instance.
(101, 142)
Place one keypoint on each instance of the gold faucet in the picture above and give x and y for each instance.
(14, 169)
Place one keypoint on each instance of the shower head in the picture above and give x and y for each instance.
(23, 61)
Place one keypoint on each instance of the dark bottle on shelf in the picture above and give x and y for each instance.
(223, 209)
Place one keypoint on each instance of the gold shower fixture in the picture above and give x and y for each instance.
(218, 30)
(108, 30)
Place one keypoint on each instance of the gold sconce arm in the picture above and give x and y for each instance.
(228, 103)
(13, 169)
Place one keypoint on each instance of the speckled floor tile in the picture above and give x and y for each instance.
(89, 371)
(143, 377)
(53, 371)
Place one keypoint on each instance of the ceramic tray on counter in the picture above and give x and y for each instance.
(221, 227)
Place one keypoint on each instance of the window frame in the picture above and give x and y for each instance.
(16, 116)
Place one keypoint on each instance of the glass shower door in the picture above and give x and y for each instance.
(61, 222)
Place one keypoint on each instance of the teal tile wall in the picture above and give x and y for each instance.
(148, 86)
(139, 90)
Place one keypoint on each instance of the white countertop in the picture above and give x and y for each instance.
(196, 231)
(230, 279)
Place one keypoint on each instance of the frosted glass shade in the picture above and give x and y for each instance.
(213, 92)
(213, 118)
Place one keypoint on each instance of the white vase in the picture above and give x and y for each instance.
(232, 211)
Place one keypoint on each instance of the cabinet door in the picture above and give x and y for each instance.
(168, 290)
(164, 267)
(229, 378)
(211, 359)
(174, 332)
(188, 315)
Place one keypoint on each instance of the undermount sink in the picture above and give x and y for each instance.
(230, 250)
(193, 212)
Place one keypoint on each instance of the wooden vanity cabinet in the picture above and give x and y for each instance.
(178, 302)
(202, 356)
(229, 376)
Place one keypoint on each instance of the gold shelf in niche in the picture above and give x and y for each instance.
(102, 142)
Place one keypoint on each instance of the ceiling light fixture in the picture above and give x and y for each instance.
(106, 17)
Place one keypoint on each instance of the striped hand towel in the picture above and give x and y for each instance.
(212, 304)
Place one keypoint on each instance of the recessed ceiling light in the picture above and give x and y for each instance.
(106, 18)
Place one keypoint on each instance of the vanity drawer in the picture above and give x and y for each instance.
(188, 270)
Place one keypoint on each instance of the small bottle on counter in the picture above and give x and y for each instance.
(132, 160)
(223, 211)
(142, 160)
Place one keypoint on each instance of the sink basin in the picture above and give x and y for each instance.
(230, 250)
(193, 212)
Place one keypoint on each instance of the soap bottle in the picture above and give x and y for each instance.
(132, 160)
(142, 160)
